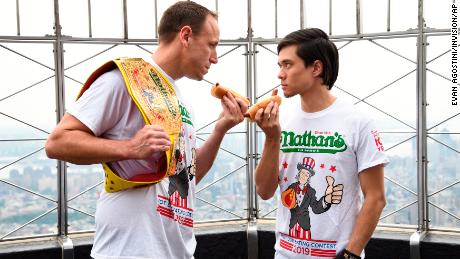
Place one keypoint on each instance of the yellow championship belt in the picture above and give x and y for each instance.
(156, 100)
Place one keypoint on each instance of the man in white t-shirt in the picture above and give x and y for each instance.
(106, 126)
(322, 154)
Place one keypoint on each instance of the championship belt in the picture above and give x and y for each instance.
(156, 100)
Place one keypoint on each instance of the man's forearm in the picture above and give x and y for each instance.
(365, 224)
(267, 169)
(82, 148)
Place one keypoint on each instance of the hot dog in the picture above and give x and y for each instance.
(262, 104)
(219, 91)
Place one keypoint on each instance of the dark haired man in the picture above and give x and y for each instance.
(131, 117)
(342, 141)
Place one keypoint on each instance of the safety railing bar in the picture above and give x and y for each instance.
(394, 52)
(75, 80)
(400, 185)
(440, 75)
(451, 117)
(389, 115)
(444, 188)
(26, 88)
(27, 223)
(85, 191)
(23, 122)
(440, 55)
(144, 49)
(27, 190)
(221, 178)
(227, 133)
(445, 211)
(384, 87)
(270, 212)
(26, 57)
(225, 150)
(398, 210)
(81, 211)
(397, 132)
(91, 57)
(266, 92)
(443, 133)
(269, 50)
(401, 142)
(214, 205)
(206, 125)
(228, 52)
(24, 139)
(344, 45)
(444, 144)
(21, 158)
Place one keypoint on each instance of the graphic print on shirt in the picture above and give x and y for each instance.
(176, 206)
(378, 141)
(298, 197)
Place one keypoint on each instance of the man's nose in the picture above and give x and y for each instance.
(281, 75)
(213, 60)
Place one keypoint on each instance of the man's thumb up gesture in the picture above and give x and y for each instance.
(333, 193)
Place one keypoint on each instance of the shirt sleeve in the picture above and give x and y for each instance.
(370, 151)
(101, 106)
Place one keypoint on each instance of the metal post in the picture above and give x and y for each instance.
(330, 17)
(276, 19)
(66, 243)
(389, 15)
(422, 161)
(302, 11)
(421, 123)
(125, 19)
(90, 21)
(359, 24)
(18, 23)
(252, 239)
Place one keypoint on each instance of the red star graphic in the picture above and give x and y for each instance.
(285, 179)
(322, 166)
(332, 168)
(285, 165)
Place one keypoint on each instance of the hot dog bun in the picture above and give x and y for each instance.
(219, 91)
(251, 113)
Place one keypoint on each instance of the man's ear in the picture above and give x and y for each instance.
(185, 34)
(317, 68)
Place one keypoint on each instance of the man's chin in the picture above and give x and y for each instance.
(195, 77)
(287, 95)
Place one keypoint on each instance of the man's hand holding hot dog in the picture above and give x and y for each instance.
(234, 106)
(233, 110)
(265, 114)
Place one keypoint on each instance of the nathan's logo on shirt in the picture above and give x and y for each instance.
(163, 92)
(308, 142)
(186, 118)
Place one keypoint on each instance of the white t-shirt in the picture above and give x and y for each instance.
(150, 222)
(340, 142)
